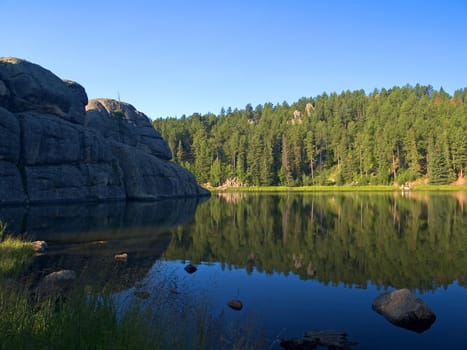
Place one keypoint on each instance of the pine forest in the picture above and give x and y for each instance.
(396, 135)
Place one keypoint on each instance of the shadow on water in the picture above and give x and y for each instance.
(86, 237)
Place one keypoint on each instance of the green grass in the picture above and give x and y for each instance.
(15, 256)
(3, 227)
(346, 188)
(82, 322)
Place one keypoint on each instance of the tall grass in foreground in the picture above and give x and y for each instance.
(15, 254)
(3, 226)
(78, 323)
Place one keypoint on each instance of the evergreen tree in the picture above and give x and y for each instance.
(202, 154)
(459, 151)
(254, 159)
(438, 172)
(412, 157)
(285, 172)
(310, 153)
(216, 173)
(266, 168)
(179, 155)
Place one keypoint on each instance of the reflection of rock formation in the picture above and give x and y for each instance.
(413, 195)
(231, 197)
(85, 238)
(86, 222)
(461, 197)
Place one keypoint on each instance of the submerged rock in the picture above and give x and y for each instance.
(311, 340)
(403, 309)
(141, 294)
(121, 257)
(235, 304)
(60, 276)
(55, 283)
(190, 268)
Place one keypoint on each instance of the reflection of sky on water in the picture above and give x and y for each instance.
(288, 306)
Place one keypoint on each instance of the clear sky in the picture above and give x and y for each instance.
(176, 57)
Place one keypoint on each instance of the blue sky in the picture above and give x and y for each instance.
(176, 57)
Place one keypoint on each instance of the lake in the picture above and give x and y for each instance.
(297, 262)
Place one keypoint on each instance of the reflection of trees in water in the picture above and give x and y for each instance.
(351, 238)
(232, 197)
(461, 197)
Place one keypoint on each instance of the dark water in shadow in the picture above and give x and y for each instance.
(297, 262)
(85, 237)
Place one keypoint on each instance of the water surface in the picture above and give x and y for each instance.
(297, 261)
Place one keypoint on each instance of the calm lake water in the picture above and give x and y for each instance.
(297, 262)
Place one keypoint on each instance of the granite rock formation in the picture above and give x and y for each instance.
(57, 147)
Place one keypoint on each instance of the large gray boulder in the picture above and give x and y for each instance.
(149, 178)
(121, 122)
(47, 140)
(403, 309)
(54, 148)
(74, 183)
(10, 131)
(11, 184)
(55, 284)
(26, 86)
(141, 152)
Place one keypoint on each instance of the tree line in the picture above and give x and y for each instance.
(388, 136)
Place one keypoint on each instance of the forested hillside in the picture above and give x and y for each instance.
(396, 135)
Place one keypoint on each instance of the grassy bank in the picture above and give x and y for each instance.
(15, 254)
(369, 188)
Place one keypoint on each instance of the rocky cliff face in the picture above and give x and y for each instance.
(57, 147)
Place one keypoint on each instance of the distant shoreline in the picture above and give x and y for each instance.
(368, 188)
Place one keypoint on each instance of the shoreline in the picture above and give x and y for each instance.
(348, 188)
